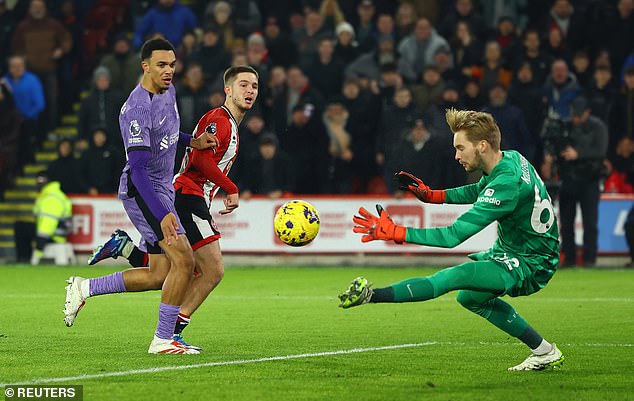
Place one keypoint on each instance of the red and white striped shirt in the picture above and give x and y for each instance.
(203, 172)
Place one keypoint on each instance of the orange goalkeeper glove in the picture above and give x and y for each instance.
(381, 227)
(417, 187)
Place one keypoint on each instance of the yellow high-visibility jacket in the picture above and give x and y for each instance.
(53, 213)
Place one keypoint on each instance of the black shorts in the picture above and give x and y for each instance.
(194, 215)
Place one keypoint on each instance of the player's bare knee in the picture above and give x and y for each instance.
(156, 279)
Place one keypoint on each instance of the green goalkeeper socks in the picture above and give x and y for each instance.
(411, 290)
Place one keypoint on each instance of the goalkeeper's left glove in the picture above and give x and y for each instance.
(422, 191)
(381, 227)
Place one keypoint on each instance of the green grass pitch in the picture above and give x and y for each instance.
(275, 333)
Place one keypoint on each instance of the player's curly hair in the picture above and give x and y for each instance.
(153, 45)
(477, 126)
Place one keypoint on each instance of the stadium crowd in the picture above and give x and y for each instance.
(351, 91)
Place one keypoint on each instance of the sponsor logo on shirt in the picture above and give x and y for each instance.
(168, 140)
(489, 192)
(487, 199)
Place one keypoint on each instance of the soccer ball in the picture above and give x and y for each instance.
(296, 223)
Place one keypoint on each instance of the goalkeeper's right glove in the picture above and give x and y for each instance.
(417, 187)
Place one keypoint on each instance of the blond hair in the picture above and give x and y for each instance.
(477, 126)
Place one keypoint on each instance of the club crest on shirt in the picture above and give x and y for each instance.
(211, 129)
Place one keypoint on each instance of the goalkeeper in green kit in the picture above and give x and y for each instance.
(523, 258)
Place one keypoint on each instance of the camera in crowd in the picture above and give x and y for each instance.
(555, 135)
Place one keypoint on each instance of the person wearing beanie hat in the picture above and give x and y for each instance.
(346, 47)
(344, 27)
(100, 72)
(100, 110)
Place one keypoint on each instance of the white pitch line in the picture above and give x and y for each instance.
(277, 358)
(223, 363)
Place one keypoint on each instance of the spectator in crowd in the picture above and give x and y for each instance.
(169, 18)
(527, 96)
(298, 91)
(618, 36)
(492, 71)
(325, 72)
(275, 87)
(101, 165)
(331, 14)
(555, 46)
(309, 36)
(560, 89)
(464, 11)
(363, 109)
(10, 123)
(395, 119)
(309, 162)
(417, 50)
(472, 96)
(346, 48)
(192, 97)
(340, 172)
(123, 65)
(385, 26)
(389, 81)
(429, 89)
(189, 45)
(7, 23)
(66, 169)
(466, 48)
(258, 58)
(365, 26)
(494, 12)
(506, 36)
(580, 169)
(100, 110)
(268, 173)
(282, 50)
(434, 115)
(28, 94)
(620, 169)
(582, 68)
(243, 16)
(532, 53)
(511, 121)
(43, 41)
(53, 214)
(219, 15)
(601, 94)
(211, 55)
(622, 120)
(239, 57)
(443, 59)
(251, 132)
(368, 65)
(562, 15)
(405, 19)
(425, 155)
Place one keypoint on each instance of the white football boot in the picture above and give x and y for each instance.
(169, 346)
(554, 359)
(74, 300)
